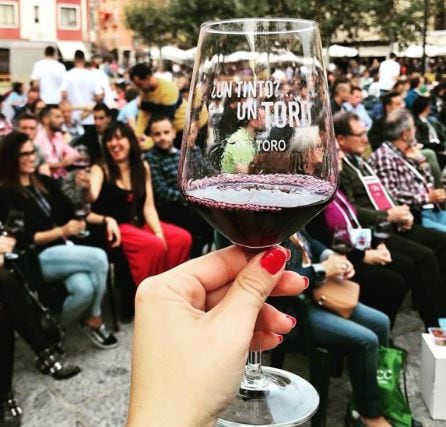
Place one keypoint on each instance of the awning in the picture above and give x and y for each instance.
(67, 49)
(339, 51)
(371, 51)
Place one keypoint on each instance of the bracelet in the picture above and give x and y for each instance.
(104, 220)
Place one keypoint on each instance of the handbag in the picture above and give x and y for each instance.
(391, 363)
(339, 296)
(396, 409)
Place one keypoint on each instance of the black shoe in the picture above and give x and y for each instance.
(100, 337)
(50, 362)
(416, 423)
(10, 411)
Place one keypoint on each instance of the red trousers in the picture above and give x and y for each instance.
(146, 253)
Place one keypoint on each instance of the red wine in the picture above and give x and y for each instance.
(381, 235)
(258, 211)
(342, 248)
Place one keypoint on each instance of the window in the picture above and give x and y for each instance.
(69, 17)
(8, 15)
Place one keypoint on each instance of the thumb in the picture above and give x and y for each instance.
(251, 287)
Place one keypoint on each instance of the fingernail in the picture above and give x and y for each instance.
(280, 338)
(288, 254)
(307, 282)
(273, 260)
(293, 320)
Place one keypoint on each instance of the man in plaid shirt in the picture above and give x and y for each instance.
(404, 172)
(171, 206)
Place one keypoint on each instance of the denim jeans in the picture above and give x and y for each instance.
(359, 338)
(83, 269)
(431, 218)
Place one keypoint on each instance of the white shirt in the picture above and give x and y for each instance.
(81, 86)
(104, 82)
(49, 73)
(389, 71)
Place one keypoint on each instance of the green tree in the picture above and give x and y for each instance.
(179, 20)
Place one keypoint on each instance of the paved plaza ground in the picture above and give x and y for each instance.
(98, 396)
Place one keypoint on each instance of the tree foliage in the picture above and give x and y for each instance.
(179, 20)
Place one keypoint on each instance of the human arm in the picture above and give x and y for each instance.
(71, 228)
(111, 227)
(6, 245)
(378, 256)
(96, 182)
(193, 341)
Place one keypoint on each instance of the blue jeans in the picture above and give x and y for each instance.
(359, 338)
(83, 269)
(431, 218)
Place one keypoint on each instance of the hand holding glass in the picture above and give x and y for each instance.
(263, 169)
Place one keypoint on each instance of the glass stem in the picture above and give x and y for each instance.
(254, 379)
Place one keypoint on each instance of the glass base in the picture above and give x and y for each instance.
(288, 401)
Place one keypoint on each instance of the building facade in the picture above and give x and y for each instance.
(27, 26)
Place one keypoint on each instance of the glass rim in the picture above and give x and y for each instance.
(307, 25)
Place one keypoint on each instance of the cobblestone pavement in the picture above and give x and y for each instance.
(98, 396)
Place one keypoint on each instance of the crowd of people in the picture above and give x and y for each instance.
(91, 167)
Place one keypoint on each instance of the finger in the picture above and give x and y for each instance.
(290, 283)
(253, 285)
(268, 340)
(273, 320)
(213, 270)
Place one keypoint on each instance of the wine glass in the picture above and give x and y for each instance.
(14, 225)
(342, 242)
(263, 170)
(382, 231)
(83, 159)
(81, 211)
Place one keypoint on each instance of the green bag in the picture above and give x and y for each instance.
(391, 362)
(390, 365)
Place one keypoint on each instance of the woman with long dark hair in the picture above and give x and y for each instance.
(122, 189)
(50, 225)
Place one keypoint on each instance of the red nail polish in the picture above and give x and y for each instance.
(273, 260)
(293, 320)
(307, 282)
(280, 338)
(288, 254)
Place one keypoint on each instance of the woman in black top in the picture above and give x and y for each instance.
(50, 224)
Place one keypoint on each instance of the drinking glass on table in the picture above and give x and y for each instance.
(273, 170)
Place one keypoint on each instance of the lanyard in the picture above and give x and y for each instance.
(376, 181)
(38, 197)
(347, 213)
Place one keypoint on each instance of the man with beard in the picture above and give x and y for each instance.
(50, 140)
(424, 247)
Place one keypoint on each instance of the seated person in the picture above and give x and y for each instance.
(51, 142)
(406, 180)
(430, 133)
(28, 123)
(384, 276)
(71, 127)
(122, 189)
(18, 314)
(358, 337)
(92, 138)
(50, 224)
(164, 160)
